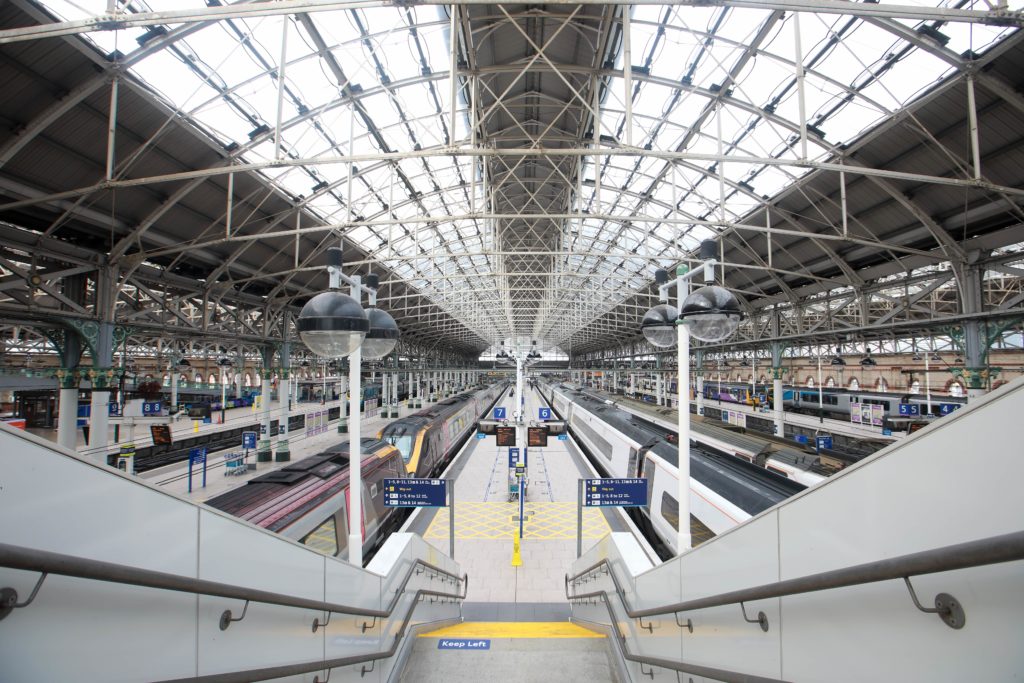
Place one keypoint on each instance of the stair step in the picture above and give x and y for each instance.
(513, 629)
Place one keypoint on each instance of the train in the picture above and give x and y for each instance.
(835, 403)
(724, 490)
(425, 439)
(307, 500)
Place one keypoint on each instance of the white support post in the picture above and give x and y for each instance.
(264, 452)
(280, 87)
(801, 103)
(627, 72)
(99, 426)
(112, 127)
(777, 404)
(67, 418)
(683, 385)
(174, 388)
(355, 498)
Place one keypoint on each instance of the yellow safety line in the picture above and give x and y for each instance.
(513, 629)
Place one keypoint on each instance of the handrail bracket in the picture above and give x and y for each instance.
(946, 607)
(9, 597)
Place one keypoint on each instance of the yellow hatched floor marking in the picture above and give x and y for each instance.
(551, 521)
(513, 629)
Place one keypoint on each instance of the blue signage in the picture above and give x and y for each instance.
(823, 442)
(499, 413)
(563, 437)
(419, 493)
(908, 409)
(513, 457)
(609, 492)
(197, 456)
(947, 408)
(151, 408)
(481, 435)
(114, 409)
(544, 413)
(248, 439)
(463, 644)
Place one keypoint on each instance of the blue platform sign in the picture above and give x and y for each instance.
(908, 409)
(151, 408)
(417, 493)
(197, 456)
(610, 492)
(114, 409)
(947, 408)
(544, 414)
(464, 644)
(499, 413)
(823, 442)
(513, 457)
(248, 439)
(481, 435)
(563, 437)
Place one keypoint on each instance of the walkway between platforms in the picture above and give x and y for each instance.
(486, 521)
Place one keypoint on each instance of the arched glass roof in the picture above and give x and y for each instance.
(561, 181)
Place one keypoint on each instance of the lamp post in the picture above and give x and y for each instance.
(334, 325)
(709, 314)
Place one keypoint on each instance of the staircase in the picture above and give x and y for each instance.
(510, 651)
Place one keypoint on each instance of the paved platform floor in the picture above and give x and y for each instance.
(486, 523)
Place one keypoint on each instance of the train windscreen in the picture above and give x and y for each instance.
(403, 444)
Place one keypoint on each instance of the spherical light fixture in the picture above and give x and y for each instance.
(712, 313)
(382, 336)
(332, 324)
(183, 365)
(659, 326)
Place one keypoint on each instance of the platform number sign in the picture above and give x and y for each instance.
(151, 408)
(947, 408)
(499, 413)
(544, 413)
(908, 409)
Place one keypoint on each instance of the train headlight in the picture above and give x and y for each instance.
(712, 313)
(332, 324)
(383, 334)
(659, 325)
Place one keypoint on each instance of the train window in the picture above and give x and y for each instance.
(777, 471)
(670, 510)
(324, 538)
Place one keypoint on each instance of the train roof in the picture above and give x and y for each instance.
(276, 499)
(751, 488)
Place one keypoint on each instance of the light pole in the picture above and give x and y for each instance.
(334, 325)
(710, 314)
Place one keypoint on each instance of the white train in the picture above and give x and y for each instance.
(724, 490)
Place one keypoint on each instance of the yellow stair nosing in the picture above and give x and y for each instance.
(513, 629)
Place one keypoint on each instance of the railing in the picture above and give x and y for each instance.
(16, 557)
(992, 550)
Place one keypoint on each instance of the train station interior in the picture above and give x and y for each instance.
(365, 340)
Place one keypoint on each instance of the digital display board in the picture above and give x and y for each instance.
(161, 434)
(537, 437)
(506, 436)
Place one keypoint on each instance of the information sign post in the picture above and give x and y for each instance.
(196, 456)
(607, 493)
(424, 493)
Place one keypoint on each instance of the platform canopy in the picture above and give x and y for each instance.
(499, 166)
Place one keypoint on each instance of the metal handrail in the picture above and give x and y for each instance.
(992, 550)
(46, 562)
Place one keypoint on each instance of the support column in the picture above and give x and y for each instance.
(343, 406)
(67, 408)
(174, 385)
(778, 396)
(283, 452)
(263, 447)
(975, 371)
(355, 499)
(99, 414)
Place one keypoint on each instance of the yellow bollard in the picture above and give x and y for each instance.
(517, 559)
(195, 425)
